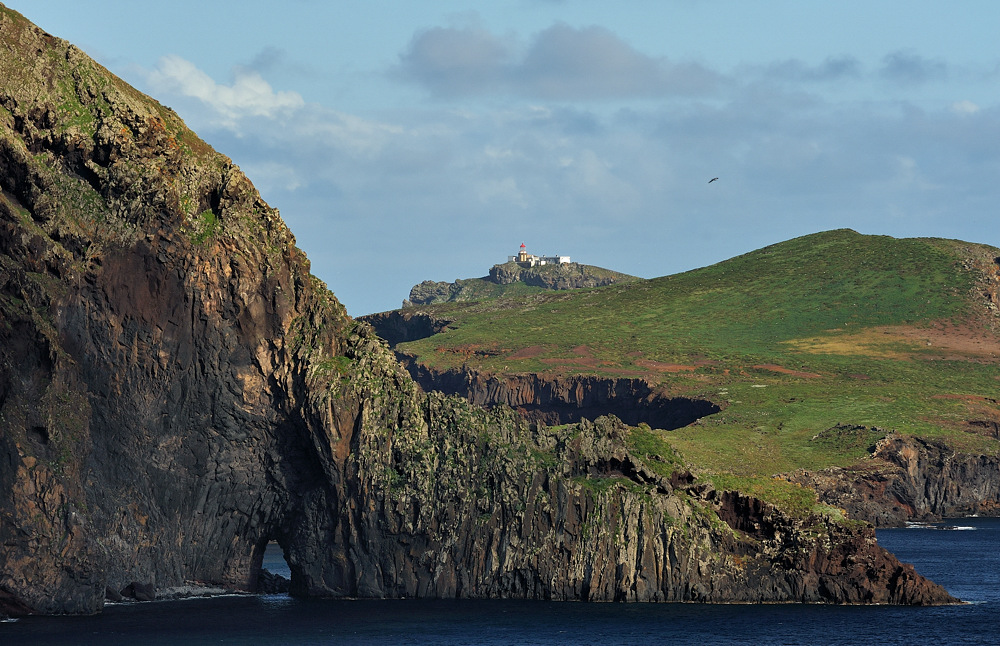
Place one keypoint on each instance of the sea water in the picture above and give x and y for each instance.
(963, 555)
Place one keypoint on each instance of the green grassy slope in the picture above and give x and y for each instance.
(792, 340)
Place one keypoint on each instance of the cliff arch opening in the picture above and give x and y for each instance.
(271, 572)
(566, 400)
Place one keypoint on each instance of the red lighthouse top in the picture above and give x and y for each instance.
(522, 245)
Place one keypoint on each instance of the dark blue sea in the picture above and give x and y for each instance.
(963, 555)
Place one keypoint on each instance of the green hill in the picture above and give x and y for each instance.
(829, 331)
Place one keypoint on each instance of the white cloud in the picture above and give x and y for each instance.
(964, 107)
(248, 96)
(620, 187)
(908, 175)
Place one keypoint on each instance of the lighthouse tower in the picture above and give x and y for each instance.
(522, 255)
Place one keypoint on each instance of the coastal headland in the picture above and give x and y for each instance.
(177, 390)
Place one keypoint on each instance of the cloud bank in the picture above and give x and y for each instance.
(561, 63)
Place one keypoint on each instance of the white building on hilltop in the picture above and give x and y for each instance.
(525, 259)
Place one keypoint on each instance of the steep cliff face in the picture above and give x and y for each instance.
(579, 513)
(911, 479)
(566, 399)
(176, 390)
(400, 326)
(544, 399)
(158, 323)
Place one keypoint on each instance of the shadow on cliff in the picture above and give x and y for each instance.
(548, 400)
(565, 400)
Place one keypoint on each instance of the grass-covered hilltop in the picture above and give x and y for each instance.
(817, 352)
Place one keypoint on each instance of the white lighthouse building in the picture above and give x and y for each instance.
(526, 259)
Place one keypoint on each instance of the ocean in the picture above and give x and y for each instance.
(963, 555)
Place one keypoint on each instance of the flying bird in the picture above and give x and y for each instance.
(712, 180)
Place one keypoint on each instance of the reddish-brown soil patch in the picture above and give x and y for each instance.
(530, 352)
(582, 362)
(786, 371)
(942, 340)
(954, 341)
(660, 366)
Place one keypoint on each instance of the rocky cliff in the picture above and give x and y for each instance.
(566, 399)
(400, 326)
(911, 479)
(571, 275)
(176, 390)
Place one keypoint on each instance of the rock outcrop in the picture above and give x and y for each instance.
(911, 479)
(563, 276)
(570, 275)
(177, 390)
(400, 326)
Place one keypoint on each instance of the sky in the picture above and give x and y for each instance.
(426, 140)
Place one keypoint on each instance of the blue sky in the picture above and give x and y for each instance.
(405, 141)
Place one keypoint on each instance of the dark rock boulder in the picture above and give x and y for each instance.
(270, 583)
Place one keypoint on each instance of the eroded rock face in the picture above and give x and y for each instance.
(562, 276)
(911, 479)
(176, 390)
(555, 277)
(566, 399)
(157, 325)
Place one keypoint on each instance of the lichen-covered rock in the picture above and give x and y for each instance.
(177, 390)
